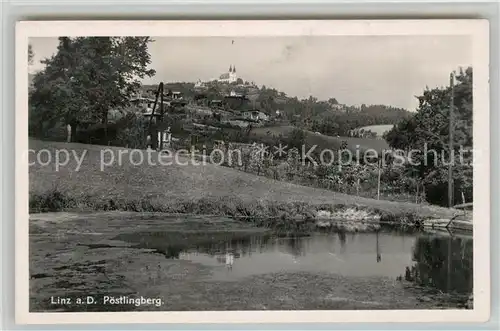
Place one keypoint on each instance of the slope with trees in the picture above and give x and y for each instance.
(86, 79)
(428, 133)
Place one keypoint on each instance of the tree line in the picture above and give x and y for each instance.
(86, 79)
(427, 131)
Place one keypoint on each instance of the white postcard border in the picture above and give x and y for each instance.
(478, 30)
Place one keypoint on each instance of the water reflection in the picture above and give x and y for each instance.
(379, 256)
(440, 261)
(340, 253)
(342, 238)
(444, 263)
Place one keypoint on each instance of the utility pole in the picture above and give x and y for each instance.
(450, 166)
(162, 113)
(379, 175)
(153, 129)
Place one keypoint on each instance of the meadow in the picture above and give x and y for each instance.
(189, 188)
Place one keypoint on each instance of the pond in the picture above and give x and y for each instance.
(443, 262)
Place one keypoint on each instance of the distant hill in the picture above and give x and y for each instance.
(326, 116)
(321, 141)
(379, 117)
(378, 130)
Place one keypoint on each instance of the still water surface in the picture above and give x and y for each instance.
(440, 261)
(350, 255)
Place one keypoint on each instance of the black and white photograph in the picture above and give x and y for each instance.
(248, 169)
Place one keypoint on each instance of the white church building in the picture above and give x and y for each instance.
(228, 77)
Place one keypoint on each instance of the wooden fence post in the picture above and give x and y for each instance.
(378, 180)
(68, 138)
(416, 196)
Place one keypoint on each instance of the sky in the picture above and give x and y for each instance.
(389, 70)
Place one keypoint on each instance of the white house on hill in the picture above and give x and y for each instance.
(255, 115)
(338, 107)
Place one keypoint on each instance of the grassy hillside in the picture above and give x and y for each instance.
(181, 187)
(322, 141)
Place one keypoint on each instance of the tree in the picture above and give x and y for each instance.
(428, 133)
(297, 139)
(89, 76)
(399, 137)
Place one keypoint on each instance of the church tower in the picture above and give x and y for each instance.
(232, 74)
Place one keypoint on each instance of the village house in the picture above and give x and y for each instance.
(235, 94)
(255, 115)
(144, 104)
(200, 85)
(236, 102)
(238, 123)
(174, 95)
(154, 118)
(202, 111)
(338, 107)
(176, 98)
(217, 104)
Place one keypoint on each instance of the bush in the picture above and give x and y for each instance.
(133, 132)
(297, 139)
(51, 201)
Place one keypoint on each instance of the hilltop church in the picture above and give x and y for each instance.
(228, 77)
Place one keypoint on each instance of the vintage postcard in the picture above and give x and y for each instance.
(255, 171)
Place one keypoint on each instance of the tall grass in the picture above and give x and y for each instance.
(283, 217)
